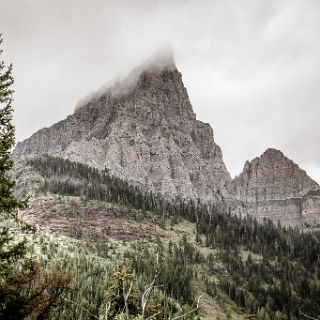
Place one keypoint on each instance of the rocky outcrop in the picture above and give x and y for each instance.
(273, 186)
(143, 130)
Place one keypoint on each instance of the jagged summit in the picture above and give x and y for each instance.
(272, 151)
(143, 130)
(272, 176)
(273, 186)
(268, 154)
(161, 61)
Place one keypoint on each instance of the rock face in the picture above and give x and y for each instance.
(145, 131)
(273, 186)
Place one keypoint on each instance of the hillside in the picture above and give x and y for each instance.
(240, 266)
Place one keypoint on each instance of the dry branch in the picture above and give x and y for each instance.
(191, 311)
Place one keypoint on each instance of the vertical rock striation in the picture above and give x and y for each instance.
(273, 186)
(143, 130)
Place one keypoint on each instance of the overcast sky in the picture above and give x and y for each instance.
(251, 67)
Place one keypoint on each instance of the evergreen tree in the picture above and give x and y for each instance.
(25, 290)
(122, 296)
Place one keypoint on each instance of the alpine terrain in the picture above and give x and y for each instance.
(132, 198)
(144, 131)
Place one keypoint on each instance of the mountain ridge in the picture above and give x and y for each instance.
(144, 130)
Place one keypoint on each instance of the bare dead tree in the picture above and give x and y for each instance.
(153, 316)
(146, 295)
(182, 315)
(305, 315)
(189, 312)
(125, 297)
(108, 305)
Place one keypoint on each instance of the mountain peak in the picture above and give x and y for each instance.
(273, 186)
(274, 165)
(272, 151)
(143, 129)
(153, 68)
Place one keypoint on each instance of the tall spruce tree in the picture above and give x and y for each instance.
(26, 291)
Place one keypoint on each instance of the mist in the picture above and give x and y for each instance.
(252, 68)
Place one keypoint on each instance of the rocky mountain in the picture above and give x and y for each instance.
(274, 187)
(144, 130)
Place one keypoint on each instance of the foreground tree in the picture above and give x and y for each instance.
(26, 291)
(122, 297)
(123, 301)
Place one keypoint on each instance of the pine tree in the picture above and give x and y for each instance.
(26, 291)
(122, 295)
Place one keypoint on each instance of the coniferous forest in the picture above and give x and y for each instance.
(270, 272)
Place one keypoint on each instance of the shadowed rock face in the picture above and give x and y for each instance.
(145, 131)
(273, 186)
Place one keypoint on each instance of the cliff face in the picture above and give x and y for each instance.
(143, 130)
(272, 176)
(273, 186)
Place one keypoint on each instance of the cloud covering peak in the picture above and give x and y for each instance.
(252, 68)
(161, 59)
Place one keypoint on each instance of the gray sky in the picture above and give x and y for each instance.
(251, 67)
